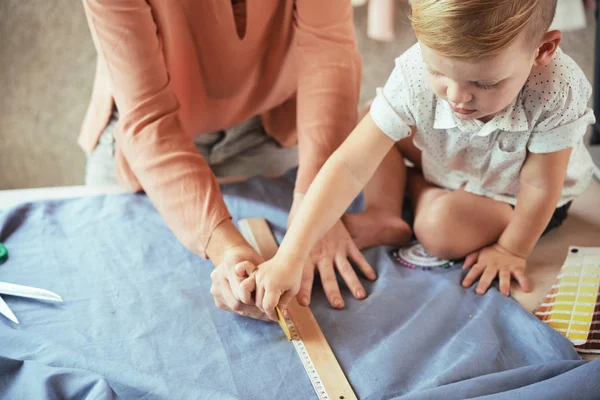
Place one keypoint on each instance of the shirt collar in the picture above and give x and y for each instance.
(511, 119)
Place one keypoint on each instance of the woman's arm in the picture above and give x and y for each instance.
(329, 68)
(150, 135)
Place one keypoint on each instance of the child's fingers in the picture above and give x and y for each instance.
(249, 284)
(285, 300)
(308, 277)
(523, 280)
(473, 274)
(504, 282)
(470, 260)
(270, 301)
(244, 269)
(486, 280)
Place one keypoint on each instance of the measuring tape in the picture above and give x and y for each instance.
(322, 368)
(309, 367)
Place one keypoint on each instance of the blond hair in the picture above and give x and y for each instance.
(479, 28)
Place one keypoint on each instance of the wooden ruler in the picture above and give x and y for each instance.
(323, 369)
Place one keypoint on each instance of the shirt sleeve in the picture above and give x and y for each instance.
(564, 120)
(329, 69)
(151, 137)
(391, 109)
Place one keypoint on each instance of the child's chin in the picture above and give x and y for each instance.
(483, 117)
(468, 116)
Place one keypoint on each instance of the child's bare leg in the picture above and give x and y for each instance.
(381, 223)
(452, 225)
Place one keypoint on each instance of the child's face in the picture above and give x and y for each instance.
(478, 89)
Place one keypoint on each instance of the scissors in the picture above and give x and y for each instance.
(21, 291)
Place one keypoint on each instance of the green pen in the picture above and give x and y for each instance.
(3, 253)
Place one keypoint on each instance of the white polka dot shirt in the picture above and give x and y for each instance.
(549, 114)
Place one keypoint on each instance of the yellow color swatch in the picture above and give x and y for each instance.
(573, 305)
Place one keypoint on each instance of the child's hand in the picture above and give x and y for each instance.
(277, 282)
(493, 261)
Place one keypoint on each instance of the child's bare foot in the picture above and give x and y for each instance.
(375, 228)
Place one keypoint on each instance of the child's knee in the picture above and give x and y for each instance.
(435, 230)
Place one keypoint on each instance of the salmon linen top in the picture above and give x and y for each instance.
(178, 68)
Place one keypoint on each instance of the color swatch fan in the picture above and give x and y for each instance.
(573, 305)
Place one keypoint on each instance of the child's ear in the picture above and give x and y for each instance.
(549, 45)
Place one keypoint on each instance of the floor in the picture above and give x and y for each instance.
(47, 63)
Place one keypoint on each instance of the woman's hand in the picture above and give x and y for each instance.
(333, 252)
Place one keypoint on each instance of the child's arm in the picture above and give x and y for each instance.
(541, 184)
(340, 180)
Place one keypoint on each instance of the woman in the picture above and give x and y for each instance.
(189, 89)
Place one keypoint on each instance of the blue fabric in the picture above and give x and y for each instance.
(138, 320)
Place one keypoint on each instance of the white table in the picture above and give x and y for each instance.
(10, 198)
